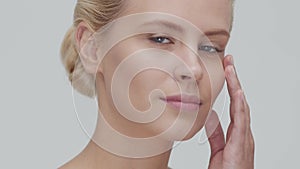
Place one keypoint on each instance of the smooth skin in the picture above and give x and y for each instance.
(237, 151)
(234, 152)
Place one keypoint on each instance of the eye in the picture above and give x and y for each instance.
(209, 49)
(161, 40)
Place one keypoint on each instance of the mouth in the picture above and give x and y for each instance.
(183, 102)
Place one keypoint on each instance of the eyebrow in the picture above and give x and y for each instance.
(178, 28)
(167, 24)
(217, 32)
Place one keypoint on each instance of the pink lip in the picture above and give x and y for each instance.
(183, 102)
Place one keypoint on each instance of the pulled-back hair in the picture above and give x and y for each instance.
(95, 13)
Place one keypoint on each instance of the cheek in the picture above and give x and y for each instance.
(142, 87)
(113, 61)
(215, 76)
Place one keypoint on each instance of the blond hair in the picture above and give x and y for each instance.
(95, 13)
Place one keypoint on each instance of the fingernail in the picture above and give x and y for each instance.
(231, 60)
(232, 71)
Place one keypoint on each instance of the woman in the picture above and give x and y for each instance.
(156, 68)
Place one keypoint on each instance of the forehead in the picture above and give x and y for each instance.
(204, 14)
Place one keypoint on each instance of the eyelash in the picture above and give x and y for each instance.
(158, 39)
(205, 48)
(210, 49)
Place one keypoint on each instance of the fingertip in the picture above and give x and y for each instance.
(212, 122)
(214, 133)
(229, 71)
(212, 118)
(228, 60)
(213, 112)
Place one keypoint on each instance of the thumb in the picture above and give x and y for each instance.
(214, 133)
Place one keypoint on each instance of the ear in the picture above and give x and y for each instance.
(87, 48)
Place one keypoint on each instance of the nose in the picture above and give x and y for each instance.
(190, 70)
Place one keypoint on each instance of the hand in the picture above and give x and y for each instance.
(238, 150)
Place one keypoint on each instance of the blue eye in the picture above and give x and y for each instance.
(161, 40)
(209, 49)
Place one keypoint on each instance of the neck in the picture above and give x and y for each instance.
(110, 149)
(101, 159)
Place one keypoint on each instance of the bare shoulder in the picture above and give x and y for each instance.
(68, 165)
(73, 164)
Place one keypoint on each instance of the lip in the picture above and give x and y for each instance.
(183, 102)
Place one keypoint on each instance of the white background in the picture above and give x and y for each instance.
(38, 125)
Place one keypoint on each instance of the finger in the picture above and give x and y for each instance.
(233, 83)
(229, 131)
(234, 86)
(251, 142)
(246, 111)
(228, 60)
(239, 125)
(240, 144)
(215, 134)
(235, 109)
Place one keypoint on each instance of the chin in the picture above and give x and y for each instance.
(193, 131)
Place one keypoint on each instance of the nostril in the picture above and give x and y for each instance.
(183, 73)
(185, 77)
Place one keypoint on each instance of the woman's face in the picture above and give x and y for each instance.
(168, 75)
